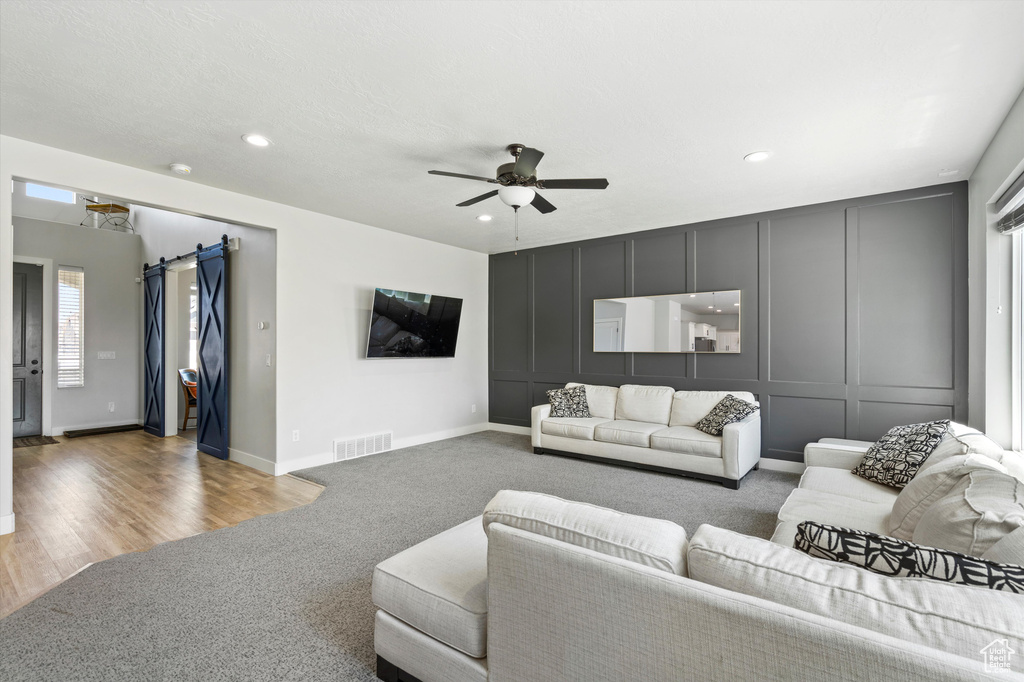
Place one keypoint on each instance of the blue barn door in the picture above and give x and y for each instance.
(154, 373)
(212, 382)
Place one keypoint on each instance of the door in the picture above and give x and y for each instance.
(212, 384)
(153, 351)
(28, 350)
(608, 335)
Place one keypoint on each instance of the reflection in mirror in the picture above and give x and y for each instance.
(706, 322)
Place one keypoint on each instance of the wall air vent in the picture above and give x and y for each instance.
(348, 448)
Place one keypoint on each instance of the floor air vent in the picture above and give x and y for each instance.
(363, 445)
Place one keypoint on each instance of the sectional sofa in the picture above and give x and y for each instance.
(541, 589)
(653, 427)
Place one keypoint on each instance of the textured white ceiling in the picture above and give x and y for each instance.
(663, 99)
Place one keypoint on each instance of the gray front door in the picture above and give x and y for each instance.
(28, 350)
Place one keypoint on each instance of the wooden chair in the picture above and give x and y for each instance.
(187, 378)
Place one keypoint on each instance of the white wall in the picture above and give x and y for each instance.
(111, 261)
(989, 275)
(326, 271)
(252, 289)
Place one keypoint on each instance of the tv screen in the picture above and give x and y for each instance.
(404, 324)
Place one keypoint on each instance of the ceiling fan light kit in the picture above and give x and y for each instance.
(516, 196)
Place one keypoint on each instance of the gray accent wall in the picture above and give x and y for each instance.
(854, 315)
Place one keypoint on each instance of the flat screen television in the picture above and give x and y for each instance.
(404, 324)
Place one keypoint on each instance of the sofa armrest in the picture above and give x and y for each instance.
(538, 414)
(741, 446)
(833, 455)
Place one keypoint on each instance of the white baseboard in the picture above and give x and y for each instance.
(782, 465)
(7, 524)
(249, 460)
(59, 430)
(309, 461)
(322, 458)
(505, 428)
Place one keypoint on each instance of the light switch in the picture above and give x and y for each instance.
(268, 359)
(105, 355)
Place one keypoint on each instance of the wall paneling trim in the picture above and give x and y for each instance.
(854, 314)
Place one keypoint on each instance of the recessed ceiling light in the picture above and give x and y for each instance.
(754, 157)
(718, 311)
(711, 307)
(257, 140)
(736, 304)
(945, 172)
(180, 168)
(484, 218)
(693, 295)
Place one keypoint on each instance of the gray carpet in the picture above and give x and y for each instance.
(287, 596)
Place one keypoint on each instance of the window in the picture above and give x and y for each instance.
(1017, 343)
(70, 339)
(52, 193)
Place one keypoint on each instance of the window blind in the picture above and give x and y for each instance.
(70, 327)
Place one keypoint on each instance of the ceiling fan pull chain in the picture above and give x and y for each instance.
(516, 210)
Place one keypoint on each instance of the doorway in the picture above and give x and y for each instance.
(28, 349)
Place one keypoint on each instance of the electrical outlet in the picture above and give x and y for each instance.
(110, 407)
(472, 408)
(295, 435)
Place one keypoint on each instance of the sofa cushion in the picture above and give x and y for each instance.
(929, 486)
(902, 559)
(440, 587)
(689, 407)
(1008, 550)
(845, 483)
(569, 402)
(600, 399)
(952, 618)
(571, 427)
(728, 411)
(977, 512)
(961, 440)
(644, 403)
(652, 542)
(897, 455)
(627, 432)
(687, 440)
(836, 510)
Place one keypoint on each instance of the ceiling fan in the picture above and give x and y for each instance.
(518, 180)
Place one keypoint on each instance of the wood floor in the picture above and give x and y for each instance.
(84, 500)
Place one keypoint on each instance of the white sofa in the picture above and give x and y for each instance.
(652, 427)
(560, 590)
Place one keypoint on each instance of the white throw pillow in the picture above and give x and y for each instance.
(928, 487)
(962, 440)
(984, 506)
(953, 618)
(652, 542)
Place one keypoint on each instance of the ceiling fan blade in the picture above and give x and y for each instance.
(526, 164)
(580, 183)
(542, 204)
(461, 175)
(487, 195)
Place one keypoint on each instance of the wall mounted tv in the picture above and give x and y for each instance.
(404, 324)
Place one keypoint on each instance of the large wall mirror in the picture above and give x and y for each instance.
(706, 322)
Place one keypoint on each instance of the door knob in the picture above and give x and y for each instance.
(35, 371)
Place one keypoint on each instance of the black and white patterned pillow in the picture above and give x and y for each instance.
(902, 559)
(896, 457)
(728, 410)
(569, 402)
